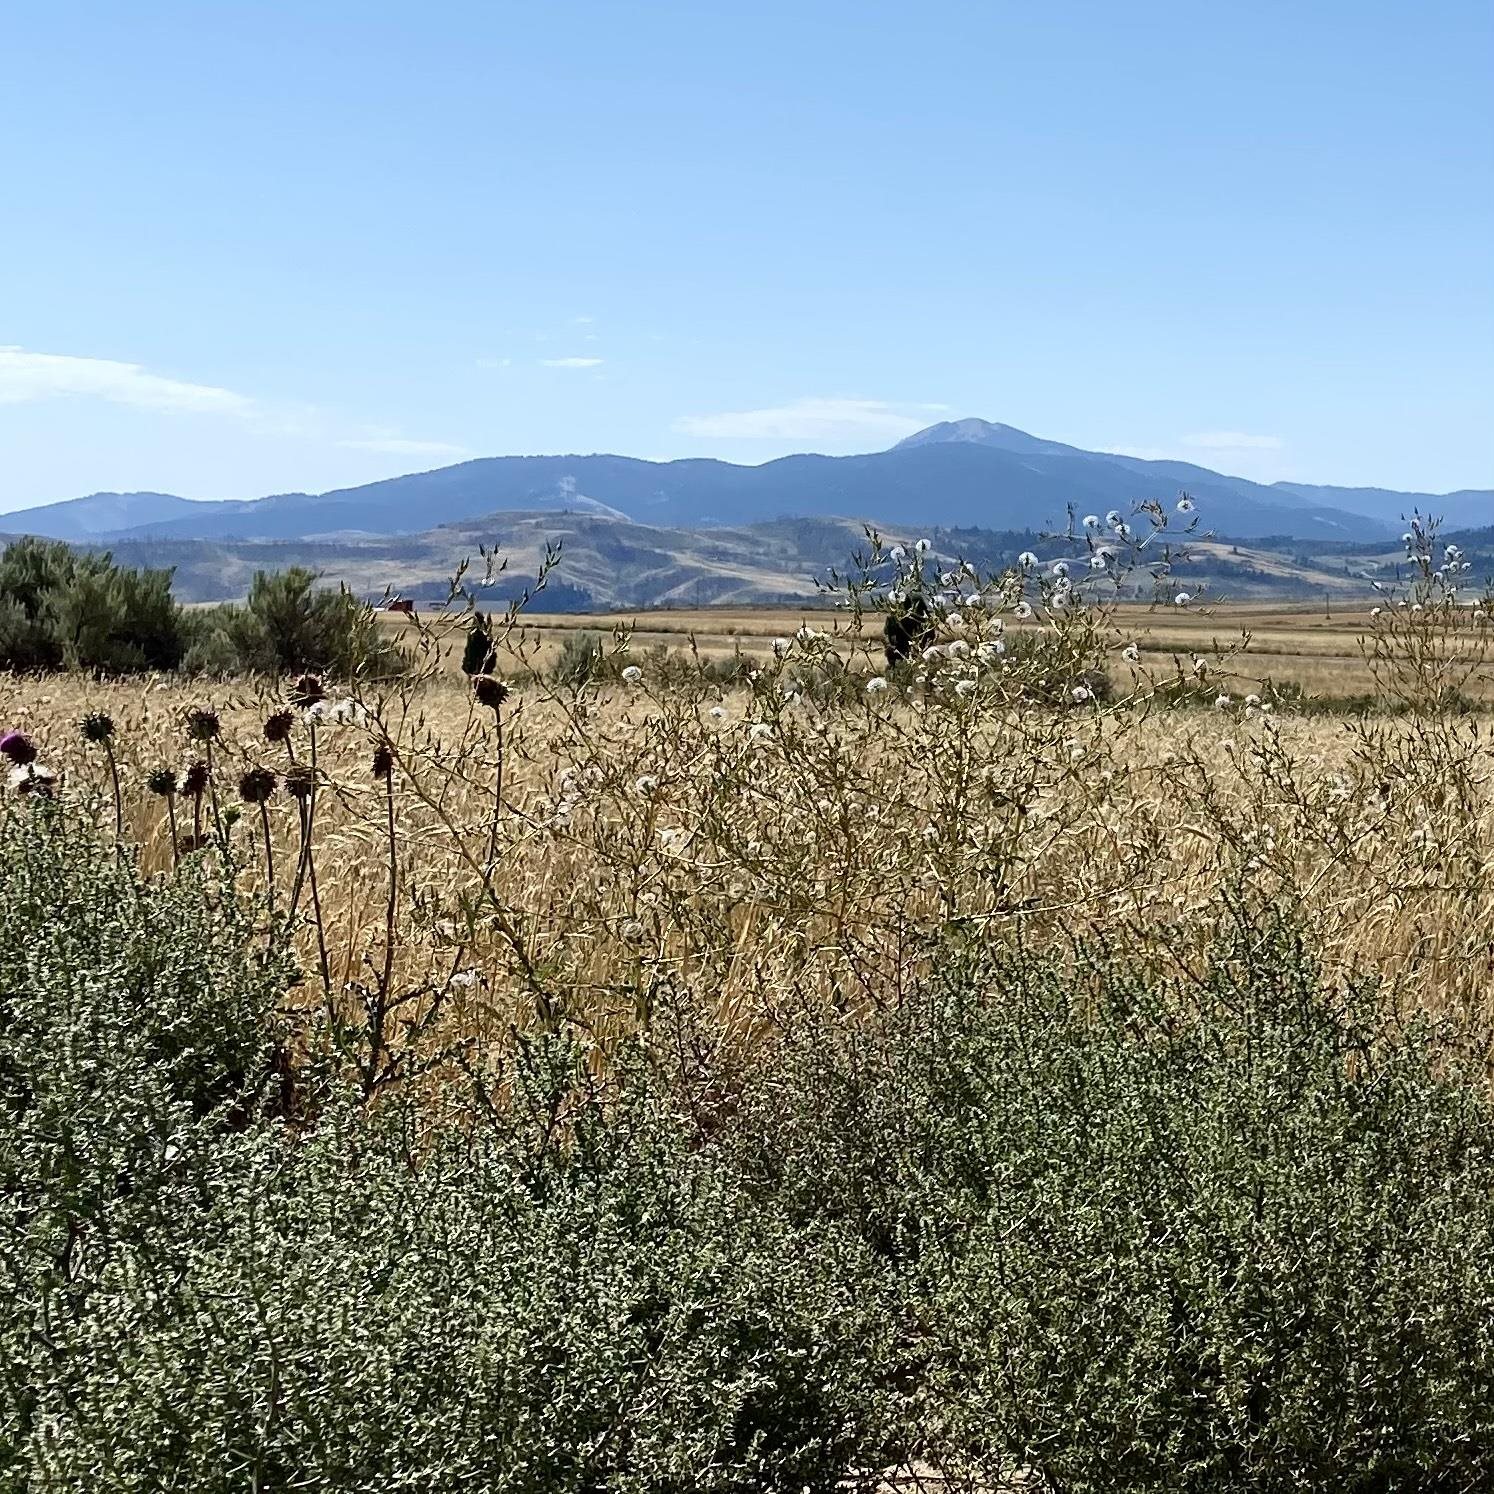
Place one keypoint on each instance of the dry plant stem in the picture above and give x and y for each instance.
(176, 851)
(303, 840)
(321, 933)
(379, 1005)
(118, 799)
(213, 791)
(264, 821)
(502, 916)
(316, 901)
(306, 811)
(392, 907)
(491, 859)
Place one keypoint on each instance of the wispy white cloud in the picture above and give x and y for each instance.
(1231, 441)
(811, 419)
(494, 362)
(1260, 458)
(570, 362)
(582, 321)
(26, 376)
(401, 446)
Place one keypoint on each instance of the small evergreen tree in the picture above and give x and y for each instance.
(63, 608)
(289, 626)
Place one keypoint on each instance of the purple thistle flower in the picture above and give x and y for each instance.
(18, 747)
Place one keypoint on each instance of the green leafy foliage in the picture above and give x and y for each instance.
(570, 1297)
(289, 625)
(1069, 1217)
(582, 659)
(61, 608)
(1231, 1234)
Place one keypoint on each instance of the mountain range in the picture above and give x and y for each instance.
(957, 474)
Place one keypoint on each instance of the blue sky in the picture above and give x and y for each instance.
(263, 247)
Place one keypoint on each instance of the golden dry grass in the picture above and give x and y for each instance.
(748, 848)
(1315, 647)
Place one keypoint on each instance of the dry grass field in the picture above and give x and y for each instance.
(578, 855)
(1309, 646)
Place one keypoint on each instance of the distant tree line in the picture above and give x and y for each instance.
(62, 608)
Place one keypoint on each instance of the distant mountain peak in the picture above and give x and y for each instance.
(977, 432)
(967, 474)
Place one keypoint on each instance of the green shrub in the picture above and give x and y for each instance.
(1049, 665)
(582, 659)
(1232, 1236)
(62, 608)
(289, 625)
(211, 649)
(1125, 1232)
(134, 1036)
(585, 659)
(200, 1297)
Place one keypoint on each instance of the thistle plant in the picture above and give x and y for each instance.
(195, 782)
(205, 728)
(163, 783)
(257, 787)
(18, 749)
(300, 784)
(98, 728)
(492, 694)
(278, 728)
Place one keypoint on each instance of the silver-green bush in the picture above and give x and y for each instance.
(1119, 1231)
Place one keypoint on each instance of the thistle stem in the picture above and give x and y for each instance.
(316, 912)
(118, 801)
(264, 820)
(491, 859)
(213, 792)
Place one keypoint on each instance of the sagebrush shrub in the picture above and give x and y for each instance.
(61, 607)
(1116, 1227)
(1234, 1233)
(561, 1294)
